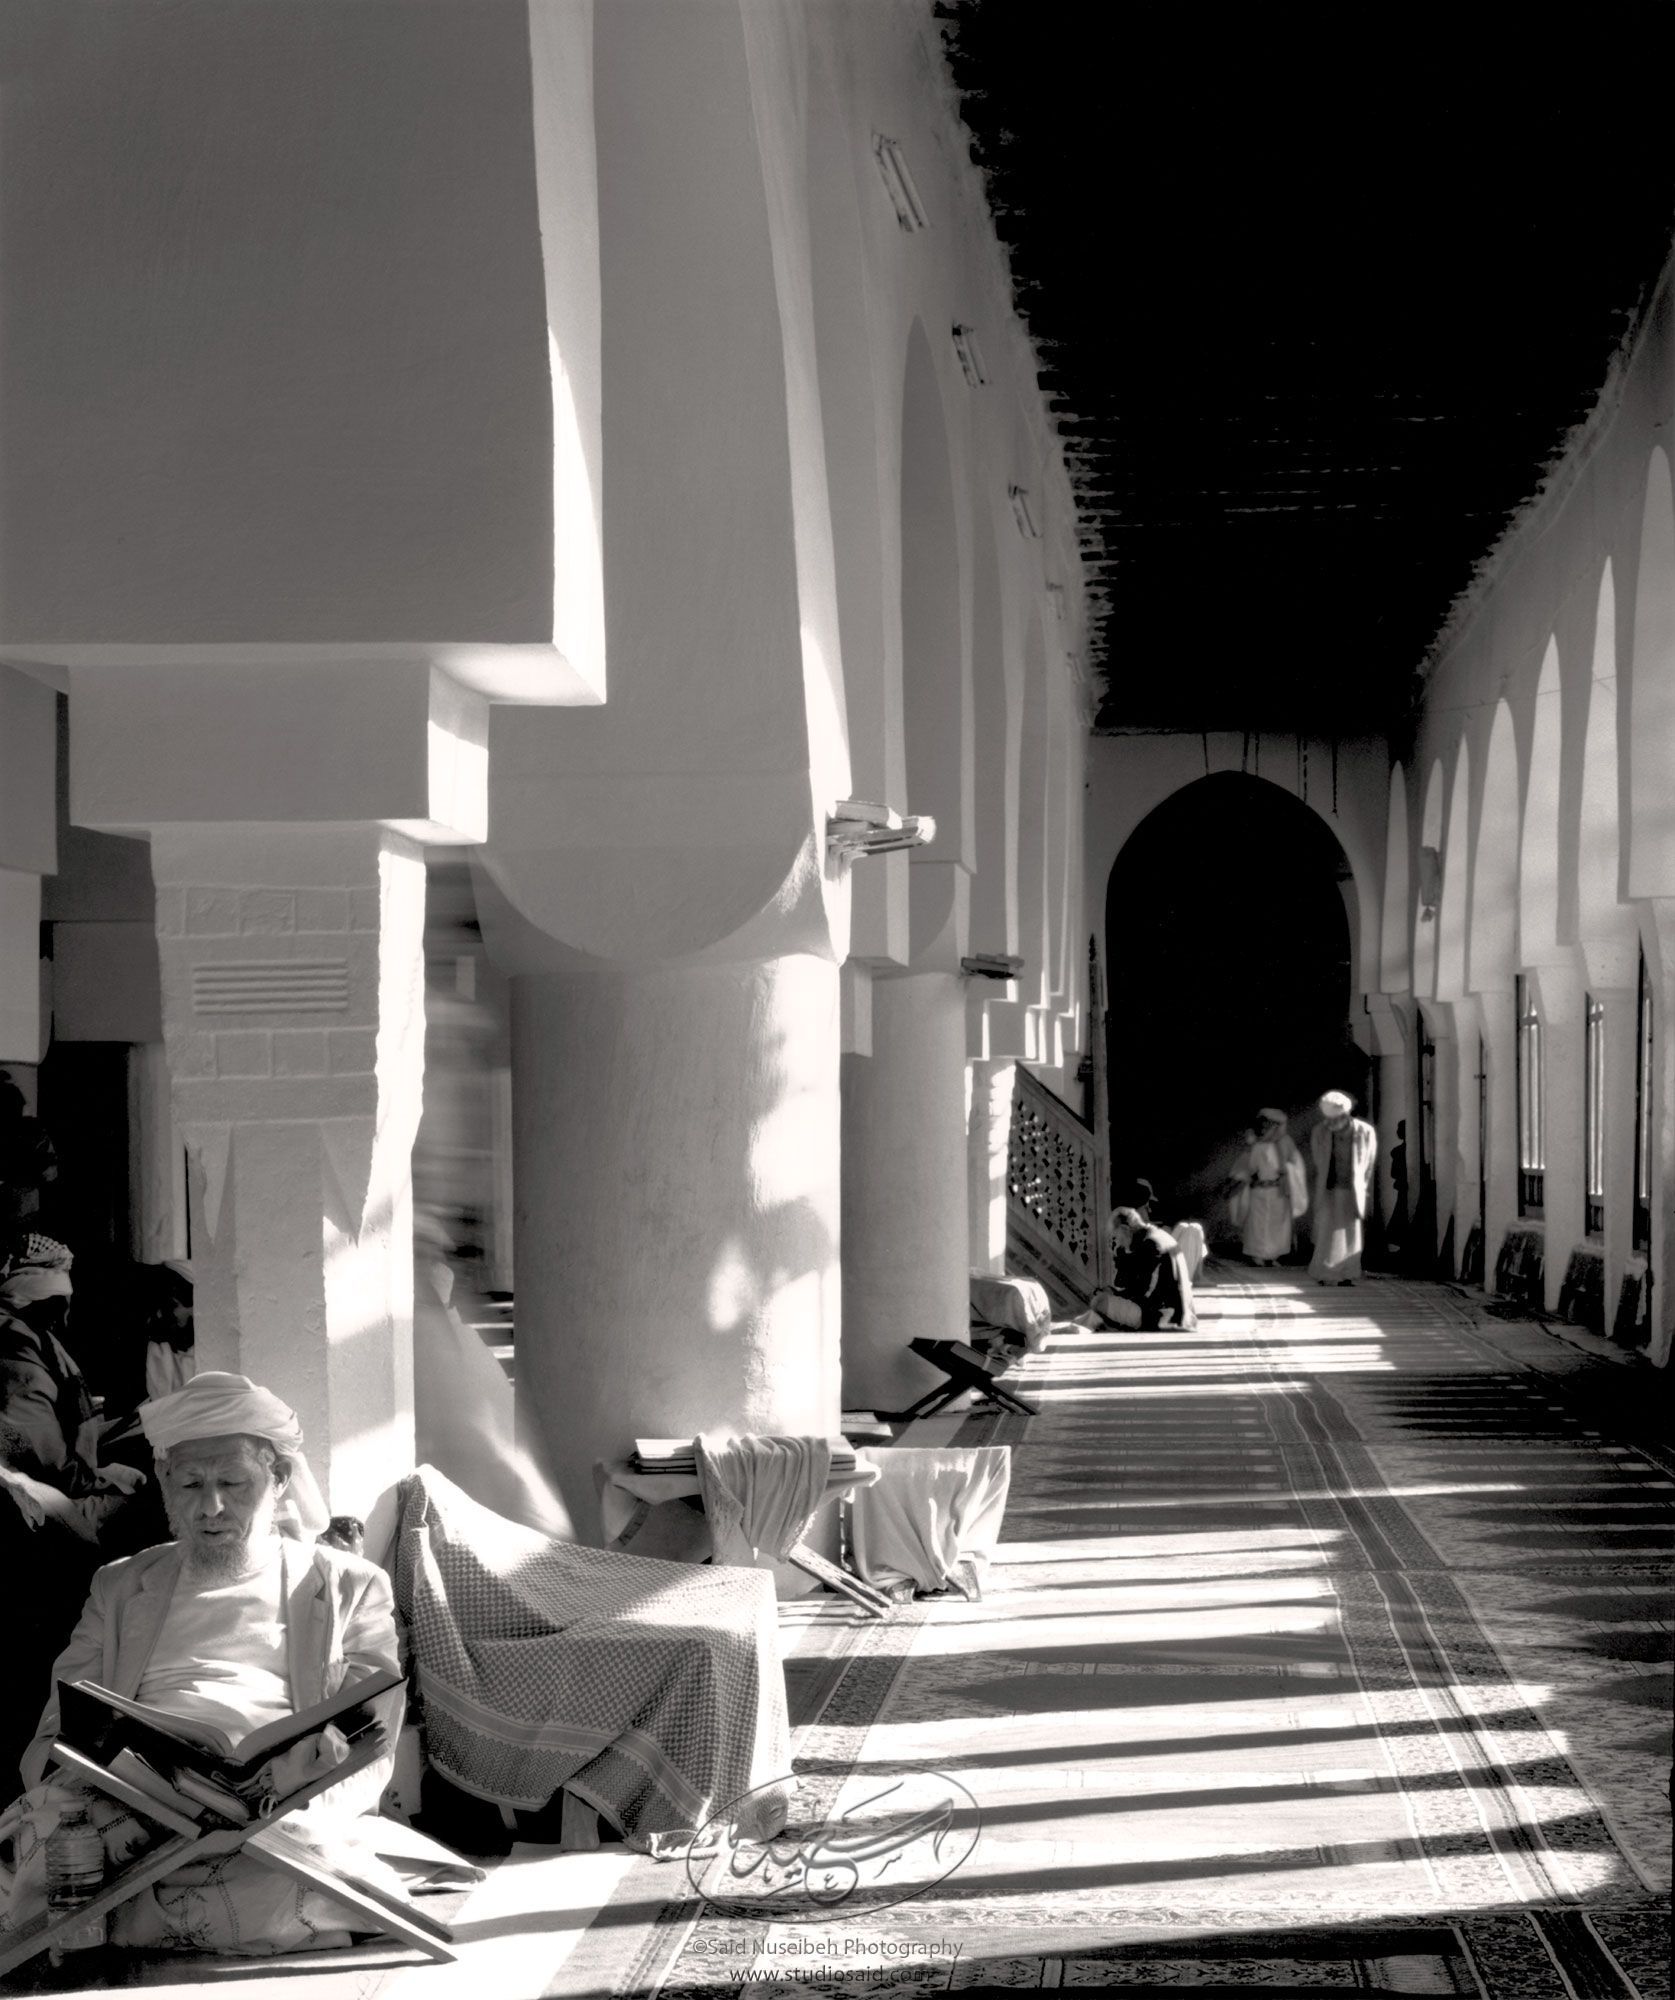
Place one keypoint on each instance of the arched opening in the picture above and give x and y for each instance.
(848, 426)
(1598, 910)
(1032, 843)
(1395, 963)
(1652, 750)
(994, 890)
(1059, 811)
(1538, 851)
(1456, 883)
(1494, 881)
(937, 719)
(1425, 905)
(1491, 967)
(1221, 1003)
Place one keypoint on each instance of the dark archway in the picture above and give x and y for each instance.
(1228, 943)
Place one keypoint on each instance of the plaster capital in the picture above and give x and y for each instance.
(1612, 965)
(323, 743)
(1389, 1028)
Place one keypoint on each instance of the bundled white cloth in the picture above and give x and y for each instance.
(760, 1493)
(1189, 1240)
(933, 1518)
(167, 1368)
(1018, 1305)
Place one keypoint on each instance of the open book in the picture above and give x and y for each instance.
(185, 1765)
(86, 1710)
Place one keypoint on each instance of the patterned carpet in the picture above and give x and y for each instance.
(1328, 1649)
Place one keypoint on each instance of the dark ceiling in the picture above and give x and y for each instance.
(1317, 294)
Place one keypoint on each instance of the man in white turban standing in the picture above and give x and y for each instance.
(241, 1619)
(1342, 1149)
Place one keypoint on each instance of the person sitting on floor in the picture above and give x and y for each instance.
(1152, 1287)
(58, 1504)
(240, 1620)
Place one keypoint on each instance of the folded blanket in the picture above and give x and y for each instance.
(933, 1518)
(653, 1691)
(760, 1493)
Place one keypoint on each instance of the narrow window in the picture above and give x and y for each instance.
(1644, 1093)
(1593, 1116)
(1532, 1145)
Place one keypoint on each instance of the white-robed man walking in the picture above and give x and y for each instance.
(1342, 1149)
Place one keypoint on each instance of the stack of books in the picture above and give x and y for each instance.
(680, 1455)
(865, 1427)
(665, 1455)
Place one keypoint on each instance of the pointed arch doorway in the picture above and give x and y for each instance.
(1228, 942)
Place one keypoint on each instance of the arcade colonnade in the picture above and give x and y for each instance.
(1509, 867)
(1524, 994)
(597, 438)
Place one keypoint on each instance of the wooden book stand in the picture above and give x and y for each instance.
(270, 1840)
(965, 1369)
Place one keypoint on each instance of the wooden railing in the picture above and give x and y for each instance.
(1058, 1177)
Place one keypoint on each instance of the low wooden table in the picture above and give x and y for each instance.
(621, 1487)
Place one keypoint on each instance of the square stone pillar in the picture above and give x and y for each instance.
(293, 1016)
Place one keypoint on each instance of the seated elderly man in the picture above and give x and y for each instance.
(1153, 1287)
(236, 1622)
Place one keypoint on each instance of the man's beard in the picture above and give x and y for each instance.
(219, 1560)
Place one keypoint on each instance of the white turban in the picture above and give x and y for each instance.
(216, 1404)
(1336, 1105)
(30, 1283)
(1270, 1116)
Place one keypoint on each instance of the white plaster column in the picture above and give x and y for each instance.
(1559, 991)
(1438, 1022)
(677, 1205)
(1500, 1054)
(293, 1015)
(906, 1222)
(988, 1143)
(1612, 969)
(1621, 1008)
(1390, 1034)
(1465, 1122)
(1659, 940)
